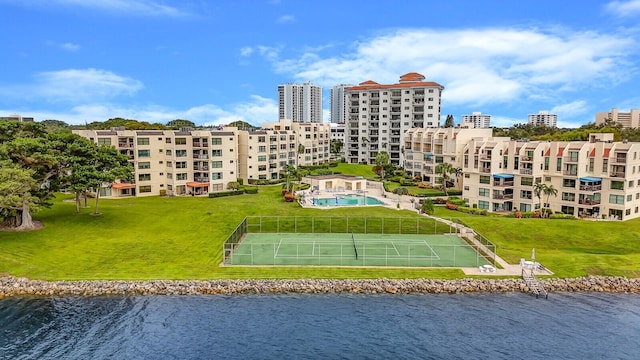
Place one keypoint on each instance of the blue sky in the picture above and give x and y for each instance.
(213, 62)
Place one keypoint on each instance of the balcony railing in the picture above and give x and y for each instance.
(570, 159)
(504, 183)
(589, 202)
(485, 170)
(590, 187)
(570, 172)
(125, 145)
(485, 157)
(618, 174)
(620, 160)
(200, 156)
(526, 159)
(526, 171)
(201, 179)
(503, 196)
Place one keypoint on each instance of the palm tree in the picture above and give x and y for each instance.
(550, 190)
(445, 170)
(538, 190)
(458, 175)
(382, 160)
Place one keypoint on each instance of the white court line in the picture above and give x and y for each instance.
(313, 248)
(277, 249)
(432, 251)
(395, 248)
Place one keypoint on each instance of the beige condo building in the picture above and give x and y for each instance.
(629, 119)
(185, 162)
(598, 178)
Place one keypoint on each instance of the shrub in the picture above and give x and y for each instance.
(251, 190)
(289, 197)
(451, 206)
(474, 211)
(225, 193)
(457, 201)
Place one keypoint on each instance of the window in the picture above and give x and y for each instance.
(216, 141)
(181, 153)
(616, 199)
(569, 210)
(168, 152)
(144, 177)
(525, 194)
(216, 164)
(485, 179)
(568, 196)
(181, 164)
(483, 192)
(168, 140)
(181, 141)
(145, 189)
(143, 141)
(546, 163)
(526, 181)
(617, 185)
(605, 165)
(629, 197)
(143, 153)
(217, 152)
(262, 157)
(262, 148)
(181, 176)
(569, 183)
(483, 205)
(216, 176)
(144, 165)
(169, 175)
(525, 207)
(559, 164)
(104, 141)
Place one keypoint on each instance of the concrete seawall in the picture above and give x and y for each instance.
(13, 286)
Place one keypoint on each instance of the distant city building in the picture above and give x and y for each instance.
(379, 115)
(300, 102)
(338, 131)
(478, 120)
(543, 118)
(625, 119)
(338, 104)
(16, 117)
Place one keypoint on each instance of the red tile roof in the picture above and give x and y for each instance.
(407, 80)
(606, 153)
(560, 151)
(123, 186)
(592, 153)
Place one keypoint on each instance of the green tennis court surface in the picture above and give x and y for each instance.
(345, 249)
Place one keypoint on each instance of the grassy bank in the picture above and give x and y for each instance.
(181, 238)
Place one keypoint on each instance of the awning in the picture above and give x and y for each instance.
(590, 179)
(123, 186)
(194, 184)
(503, 176)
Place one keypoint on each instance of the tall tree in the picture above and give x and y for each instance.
(445, 170)
(382, 160)
(16, 185)
(550, 190)
(538, 191)
(179, 123)
(448, 123)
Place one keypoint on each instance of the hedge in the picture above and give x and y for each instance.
(227, 193)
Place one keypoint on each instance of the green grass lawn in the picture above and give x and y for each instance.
(356, 169)
(181, 238)
(570, 248)
(414, 189)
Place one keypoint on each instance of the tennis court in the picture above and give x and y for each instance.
(354, 249)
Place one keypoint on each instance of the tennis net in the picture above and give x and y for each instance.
(355, 249)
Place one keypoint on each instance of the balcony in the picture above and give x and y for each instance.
(485, 157)
(526, 171)
(620, 159)
(200, 168)
(526, 159)
(570, 172)
(503, 184)
(570, 159)
(485, 170)
(503, 196)
(125, 145)
(200, 156)
(201, 179)
(200, 144)
(590, 187)
(589, 202)
(619, 174)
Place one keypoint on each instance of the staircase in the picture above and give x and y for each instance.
(534, 285)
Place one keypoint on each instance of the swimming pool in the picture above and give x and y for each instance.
(350, 199)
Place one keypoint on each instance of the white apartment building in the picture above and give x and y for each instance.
(629, 119)
(425, 148)
(300, 102)
(543, 118)
(16, 117)
(379, 115)
(476, 120)
(598, 178)
(338, 104)
(185, 162)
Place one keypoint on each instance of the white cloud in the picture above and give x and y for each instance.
(74, 86)
(122, 7)
(476, 66)
(624, 8)
(284, 19)
(246, 51)
(70, 46)
(255, 111)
